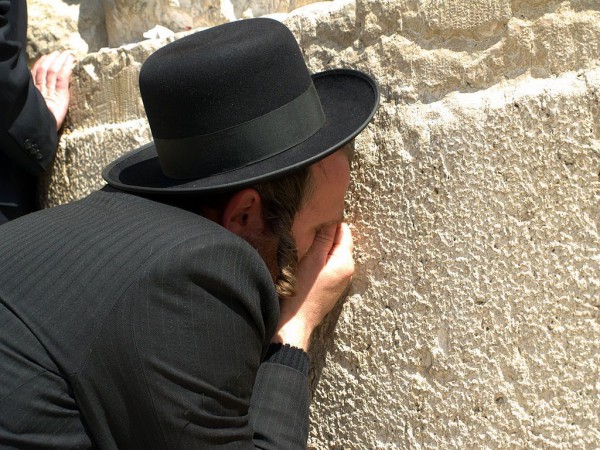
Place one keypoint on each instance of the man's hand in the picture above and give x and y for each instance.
(323, 275)
(51, 74)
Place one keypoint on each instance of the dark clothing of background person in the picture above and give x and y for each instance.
(147, 327)
(28, 138)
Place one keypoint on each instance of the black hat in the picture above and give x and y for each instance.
(235, 104)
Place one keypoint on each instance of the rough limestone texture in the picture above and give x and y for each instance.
(474, 317)
(127, 20)
(65, 25)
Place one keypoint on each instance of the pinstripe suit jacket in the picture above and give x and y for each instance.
(127, 323)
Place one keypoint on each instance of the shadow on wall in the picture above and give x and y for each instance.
(92, 23)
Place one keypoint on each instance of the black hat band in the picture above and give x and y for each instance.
(258, 139)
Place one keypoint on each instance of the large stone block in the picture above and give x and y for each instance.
(83, 154)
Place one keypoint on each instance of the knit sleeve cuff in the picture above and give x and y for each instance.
(287, 355)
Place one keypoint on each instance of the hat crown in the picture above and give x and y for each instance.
(234, 105)
(221, 77)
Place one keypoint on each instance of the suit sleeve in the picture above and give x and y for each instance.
(198, 323)
(280, 400)
(27, 128)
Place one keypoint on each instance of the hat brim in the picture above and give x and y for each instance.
(349, 99)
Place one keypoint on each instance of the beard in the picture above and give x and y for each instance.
(280, 256)
(266, 245)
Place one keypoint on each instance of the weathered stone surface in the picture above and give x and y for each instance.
(43, 34)
(92, 24)
(83, 154)
(477, 19)
(127, 20)
(474, 319)
(105, 86)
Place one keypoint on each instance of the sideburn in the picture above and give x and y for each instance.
(267, 246)
(280, 256)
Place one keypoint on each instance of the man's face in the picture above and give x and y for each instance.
(330, 179)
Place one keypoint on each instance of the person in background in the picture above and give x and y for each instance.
(33, 106)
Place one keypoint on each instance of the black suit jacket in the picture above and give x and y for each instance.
(28, 138)
(127, 323)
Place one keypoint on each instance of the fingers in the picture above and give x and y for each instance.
(40, 69)
(340, 257)
(342, 242)
(52, 72)
(59, 72)
(64, 71)
(51, 75)
(332, 250)
(325, 237)
(321, 246)
(332, 241)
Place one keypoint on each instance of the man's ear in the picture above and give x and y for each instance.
(243, 213)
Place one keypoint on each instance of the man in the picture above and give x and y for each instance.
(33, 107)
(146, 315)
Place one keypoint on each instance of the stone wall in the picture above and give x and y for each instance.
(474, 317)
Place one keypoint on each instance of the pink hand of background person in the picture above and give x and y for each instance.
(51, 75)
(323, 275)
